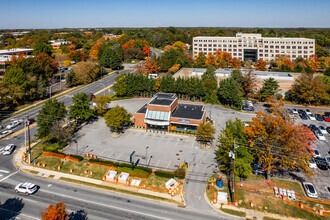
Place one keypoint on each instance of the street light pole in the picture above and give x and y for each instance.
(147, 155)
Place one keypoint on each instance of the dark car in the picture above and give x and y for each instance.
(328, 129)
(312, 127)
(318, 117)
(321, 163)
(30, 121)
(303, 116)
(300, 111)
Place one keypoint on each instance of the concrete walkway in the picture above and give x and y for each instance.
(45, 173)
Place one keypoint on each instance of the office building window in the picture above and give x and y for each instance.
(266, 46)
(277, 47)
(287, 47)
(239, 54)
(214, 45)
(210, 45)
(235, 54)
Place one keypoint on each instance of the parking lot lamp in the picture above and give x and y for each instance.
(147, 155)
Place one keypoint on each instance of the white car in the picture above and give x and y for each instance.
(294, 111)
(322, 129)
(27, 188)
(312, 163)
(13, 124)
(310, 189)
(308, 112)
(316, 153)
(5, 133)
(9, 149)
(311, 117)
(319, 135)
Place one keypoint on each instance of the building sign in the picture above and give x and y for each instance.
(184, 121)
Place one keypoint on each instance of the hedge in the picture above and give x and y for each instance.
(133, 173)
(166, 174)
(181, 174)
(147, 169)
(80, 158)
(100, 161)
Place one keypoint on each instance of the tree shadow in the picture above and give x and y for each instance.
(11, 208)
(78, 215)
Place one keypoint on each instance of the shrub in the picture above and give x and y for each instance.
(62, 145)
(124, 165)
(181, 174)
(165, 174)
(100, 161)
(147, 169)
(80, 158)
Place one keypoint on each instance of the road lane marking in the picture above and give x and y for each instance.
(4, 171)
(8, 176)
(168, 164)
(109, 206)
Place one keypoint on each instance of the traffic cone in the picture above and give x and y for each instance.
(71, 170)
(215, 200)
(301, 205)
(86, 171)
(91, 173)
(94, 156)
(320, 212)
(103, 178)
(38, 164)
(87, 154)
(251, 204)
(43, 165)
(91, 155)
(172, 193)
(59, 167)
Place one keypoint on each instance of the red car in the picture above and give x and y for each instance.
(326, 118)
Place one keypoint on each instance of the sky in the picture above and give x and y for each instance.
(27, 14)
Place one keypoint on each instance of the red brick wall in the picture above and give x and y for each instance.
(159, 108)
(139, 120)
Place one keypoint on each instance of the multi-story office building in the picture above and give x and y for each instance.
(254, 46)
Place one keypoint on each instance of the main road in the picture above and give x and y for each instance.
(82, 202)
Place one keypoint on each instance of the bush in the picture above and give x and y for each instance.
(62, 145)
(181, 174)
(100, 161)
(147, 169)
(165, 174)
(80, 158)
(125, 165)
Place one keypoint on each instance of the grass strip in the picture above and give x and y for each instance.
(233, 212)
(121, 191)
(31, 171)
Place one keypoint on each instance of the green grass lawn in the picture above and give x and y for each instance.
(155, 181)
(293, 185)
(36, 151)
(233, 212)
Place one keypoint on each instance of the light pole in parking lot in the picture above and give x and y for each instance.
(147, 155)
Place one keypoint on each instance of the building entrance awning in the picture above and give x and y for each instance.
(155, 122)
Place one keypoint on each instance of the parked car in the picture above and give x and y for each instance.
(319, 135)
(326, 118)
(13, 124)
(327, 159)
(27, 188)
(311, 117)
(321, 163)
(5, 133)
(294, 111)
(312, 163)
(9, 149)
(322, 129)
(316, 153)
(308, 112)
(312, 127)
(303, 116)
(328, 129)
(310, 189)
(31, 121)
(290, 113)
(319, 117)
(300, 111)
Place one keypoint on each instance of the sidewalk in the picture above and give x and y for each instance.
(45, 173)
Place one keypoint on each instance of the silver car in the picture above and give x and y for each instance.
(27, 188)
(9, 149)
(13, 124)
(5, 133)
(310, 189)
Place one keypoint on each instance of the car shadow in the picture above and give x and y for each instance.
(78, 215)
(11, 208)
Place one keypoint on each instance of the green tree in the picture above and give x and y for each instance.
(234, 130)
(205, 132)
(80, 108)
(71, 79)
(117, 117)
(200, 60)
(327, 71)
(322, 52)
(269, 88)
(109, 58)
(42, 47)
(50, 112)
(102, 103)
(120, 86)
(210, 83)
(229, 93)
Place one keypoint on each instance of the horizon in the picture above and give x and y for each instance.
(38, 14)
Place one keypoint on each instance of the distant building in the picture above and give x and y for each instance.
(254, 46)
(7, 55)
(164, 113)
(110, 37)
(56, 44)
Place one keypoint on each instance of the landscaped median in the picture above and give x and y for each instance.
(254, 197)
(75, 168)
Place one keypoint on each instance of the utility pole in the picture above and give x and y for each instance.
(29, 143)
(25, 121)
(147, 155)
(232, 156)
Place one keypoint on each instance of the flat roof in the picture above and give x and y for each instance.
(165, 99)
(258, 73)
(16, 50)
(189, 111)
(267, 38)
(143, 109)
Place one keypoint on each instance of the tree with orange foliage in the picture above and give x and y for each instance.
(174, 68)
(278, 140)
(284, 63)
(311, 62)
(55, 212)
(94, 50)
(146, 50)
(151, 65)
(210, 60)
(261, 65)
(140, 69)
(235, 63)
(222, 58)
(178, 45)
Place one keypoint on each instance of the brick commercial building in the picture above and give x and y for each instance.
(254, 46)
(164, 112)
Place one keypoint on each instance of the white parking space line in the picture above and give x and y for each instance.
(4, 171)
(118, 156)
(168, 164)
(158, 162)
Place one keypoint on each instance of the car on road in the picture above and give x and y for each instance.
(312, 163)
(321, 163)
(27, 188)
(322, 129)
(310, 189)
(9, 149)
(30, 121)
(311, 117)
(319, 117)
(5, 133)
(13, 124)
